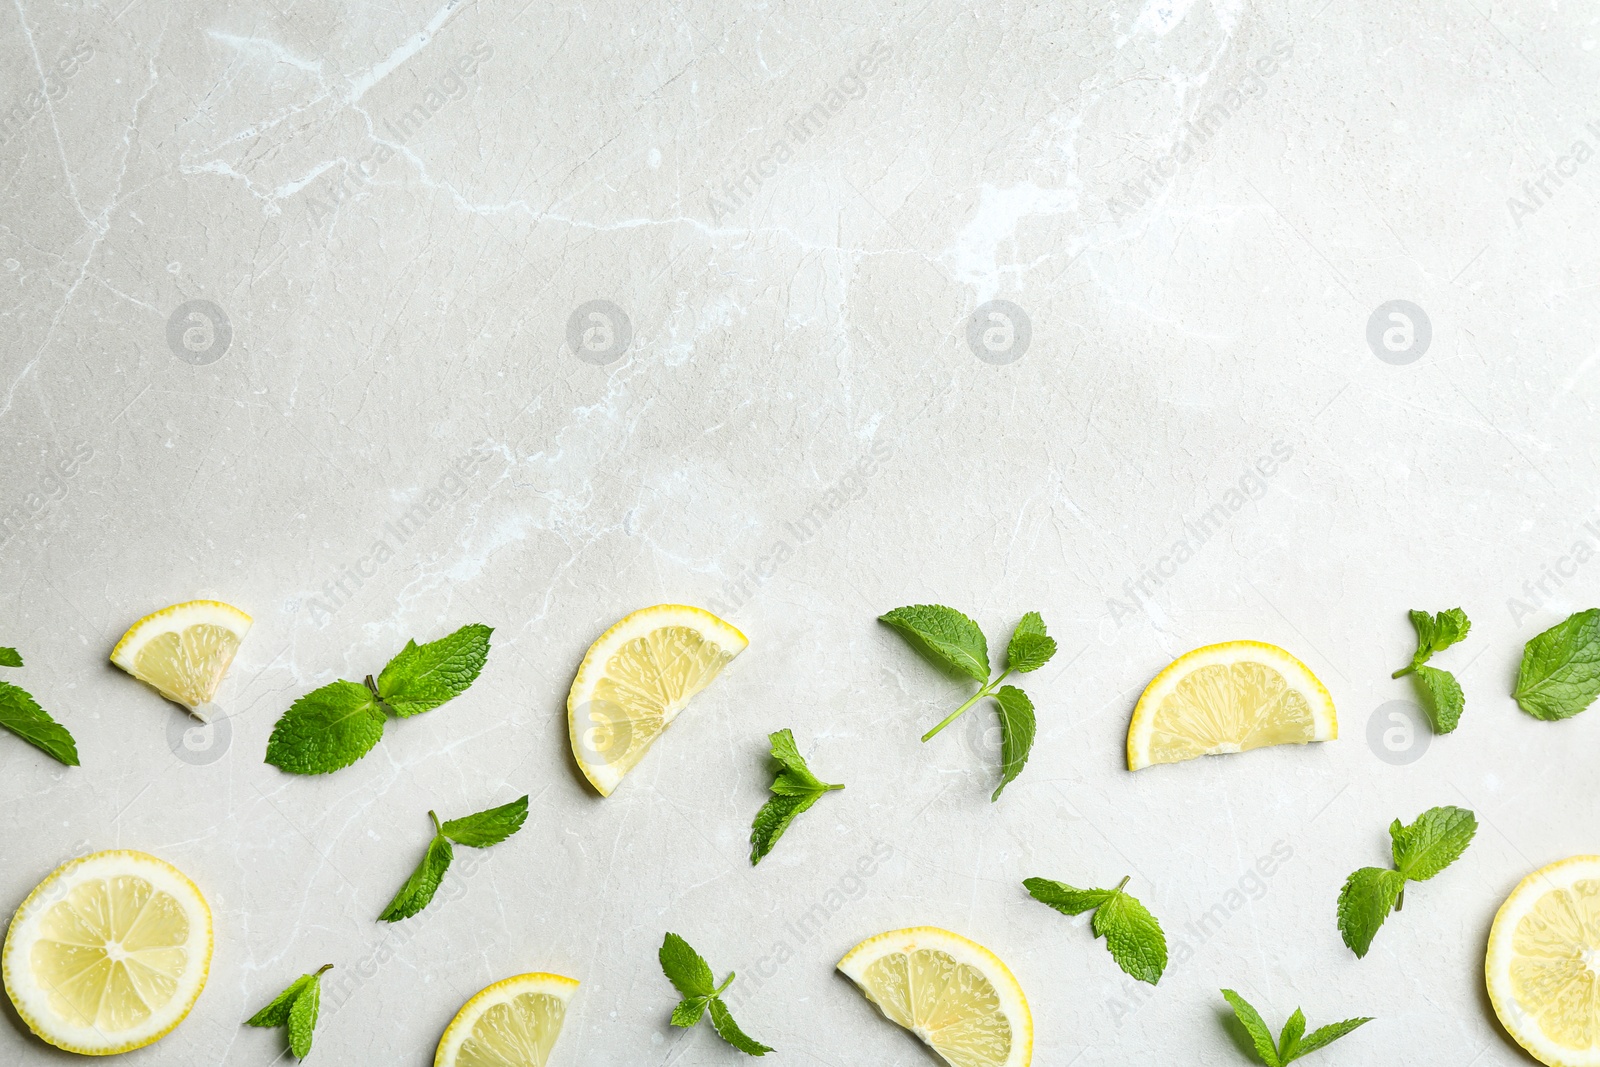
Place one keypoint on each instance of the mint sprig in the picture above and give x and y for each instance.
(954, 643)
(332, 727)
(1435, 840)
(296, 1007)
(479, 830)
(1293, 1042)
(23, 716)
(691, 975)
(794, 789)
(1560, 673)
(1445, 701)
(1132, 934)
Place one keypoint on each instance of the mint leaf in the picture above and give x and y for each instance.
(1293, 1030)
(1327, 1035)
(1435, 841)
(689, 1010)
(729, 1030)
(488, 827)
(277, 1013)
(685, 968)
(794, 790)
(303, 1016)
(1560, 674)
(1016, 734)
(10, 657)
(1365, 901)
(1255, 1026)
(1030, 647)
(23, 716)
(1435, 633)
(424, 881)
(422, 677)
(945, 637)
(1133, 936)
(326, 729)
(1445, 699)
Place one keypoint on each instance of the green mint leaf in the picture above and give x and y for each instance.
(1030, 647)
(303, 1016)
(424, 881)
(794, 790)
(1065, 898)
(23, 716)
(1364, 902)
(1432, 843)
(1435, 633)
(1327, 1035)
(422, 677)
(729, 1030)
(945, 637)
(488, 827)
(277, 1013)
(1289, 1040)
(685, 968)
(1445, 699)
(10, 657)
(1133, 936)
(326, 729)
(1251, 1020)
(1560, 674)
(689, 1010)
(1017, 728)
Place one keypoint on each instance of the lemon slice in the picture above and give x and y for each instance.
(1543, 963)
(1230, 697)
(513, 1023)
(109, 953)
(952, 993)
(183, 650)
(636, 679)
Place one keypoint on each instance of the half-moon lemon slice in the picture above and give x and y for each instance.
(513, 1023)
(184, 650)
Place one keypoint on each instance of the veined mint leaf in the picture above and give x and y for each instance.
(326, 729)
(422, 677)
(1030, 647)
(1560, 674)
(488, 827)
(1017, 728)
(944, 636)
(23, 716)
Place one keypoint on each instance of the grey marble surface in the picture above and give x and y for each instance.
(797, 406)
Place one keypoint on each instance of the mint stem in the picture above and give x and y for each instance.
(1122, 883)
(988, 689)
(324, 969)
(437, 829)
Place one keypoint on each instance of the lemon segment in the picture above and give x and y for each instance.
(954, 994)
(1231, 697)
(1543, 963)
(635, 680)
(183, 650)
(513, 1023)
(108, 953)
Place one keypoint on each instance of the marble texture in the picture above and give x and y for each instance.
(283, 281)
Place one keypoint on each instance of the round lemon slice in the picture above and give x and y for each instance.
(513, 1023)
(1230, 697)
(1543, 963)
(952, 993)
(635, 680)
(109, 953)
(183, 650)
